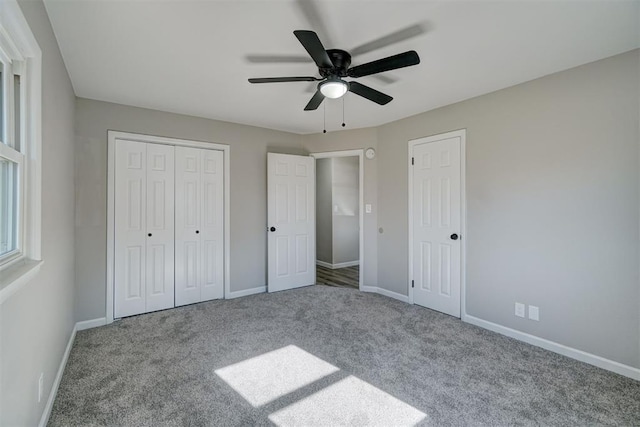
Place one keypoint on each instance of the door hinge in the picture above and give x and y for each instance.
(412, 161)
(413, 285)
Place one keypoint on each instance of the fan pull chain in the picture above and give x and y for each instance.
(324, 112)
(343, 125)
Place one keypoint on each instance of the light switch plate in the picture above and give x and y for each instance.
(519, 309)
(367, 208)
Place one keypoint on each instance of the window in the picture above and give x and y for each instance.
(20, 143)
(12, 160)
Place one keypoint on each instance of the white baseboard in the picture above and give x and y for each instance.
(385, 292)
(44, 419)
(93, 323)
(339, 265)
(247, 292)
(583, 356)
(80, 326)
(346, 264)
(391, 294)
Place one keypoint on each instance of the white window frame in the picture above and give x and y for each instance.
(11, 66)
(19, 48)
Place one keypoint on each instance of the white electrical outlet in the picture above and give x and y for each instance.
(40, 386)
(519, 309)
(367, 208)
(534, 313)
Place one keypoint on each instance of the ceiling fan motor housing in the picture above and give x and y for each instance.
(341, 60)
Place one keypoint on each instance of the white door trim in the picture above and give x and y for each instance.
(111, 141)
(462, 134)
(360, 154)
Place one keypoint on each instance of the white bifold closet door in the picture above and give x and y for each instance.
(144, 228)
(199, 256)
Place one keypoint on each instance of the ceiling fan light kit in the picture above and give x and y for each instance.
(334, 64)
(333, 88)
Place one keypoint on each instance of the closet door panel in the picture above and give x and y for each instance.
(211, 228)
(188, 165)
(130, 238)
(160, 227)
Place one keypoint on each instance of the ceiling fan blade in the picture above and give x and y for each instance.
(276, 59)
(283, 79)
(315, 18)
(314, 47)
(400, 60)
(315, 101)
(369, 93)
(395, 37)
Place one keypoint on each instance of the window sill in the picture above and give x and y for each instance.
(17, 276)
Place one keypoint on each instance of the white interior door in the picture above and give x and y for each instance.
(160, 227)
(188, 210)
(212, 225)
(436, 221)
(291, 221)
(130, 239)
(144, 228)
(199, 225)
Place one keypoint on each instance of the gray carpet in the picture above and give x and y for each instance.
(350, 357)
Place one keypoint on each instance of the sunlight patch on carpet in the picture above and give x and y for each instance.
(348, 402)
(265, 378)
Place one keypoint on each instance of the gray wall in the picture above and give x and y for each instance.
(346, 218)
(552, 192)
(552, 204)
(552, 197)
(249, 146)
(324, 216)
(36, 322)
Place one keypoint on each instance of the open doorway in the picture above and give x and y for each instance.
(339, 219)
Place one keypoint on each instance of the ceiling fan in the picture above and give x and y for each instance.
(333, 66)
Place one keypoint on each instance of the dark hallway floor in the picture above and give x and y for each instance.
(348, 277)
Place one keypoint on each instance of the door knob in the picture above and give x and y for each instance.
(197, 231)
(149, 234)
(454, 236)
(272, 229)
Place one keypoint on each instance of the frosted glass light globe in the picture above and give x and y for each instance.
(333, 88)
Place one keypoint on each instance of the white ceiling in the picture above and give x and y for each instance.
(194, 57)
